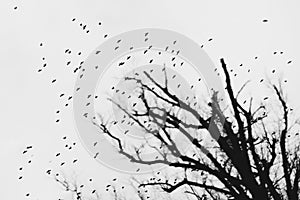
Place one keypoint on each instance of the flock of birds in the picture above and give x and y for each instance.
(64, 96)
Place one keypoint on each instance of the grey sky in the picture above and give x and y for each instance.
(29, 100)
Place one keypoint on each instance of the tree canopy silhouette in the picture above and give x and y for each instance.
(253, 154)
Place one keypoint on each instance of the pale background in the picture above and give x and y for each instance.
(29, 99)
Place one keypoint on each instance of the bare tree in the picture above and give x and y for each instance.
(253, 154)
(74, 188)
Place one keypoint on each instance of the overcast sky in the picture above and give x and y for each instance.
(29, 100)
